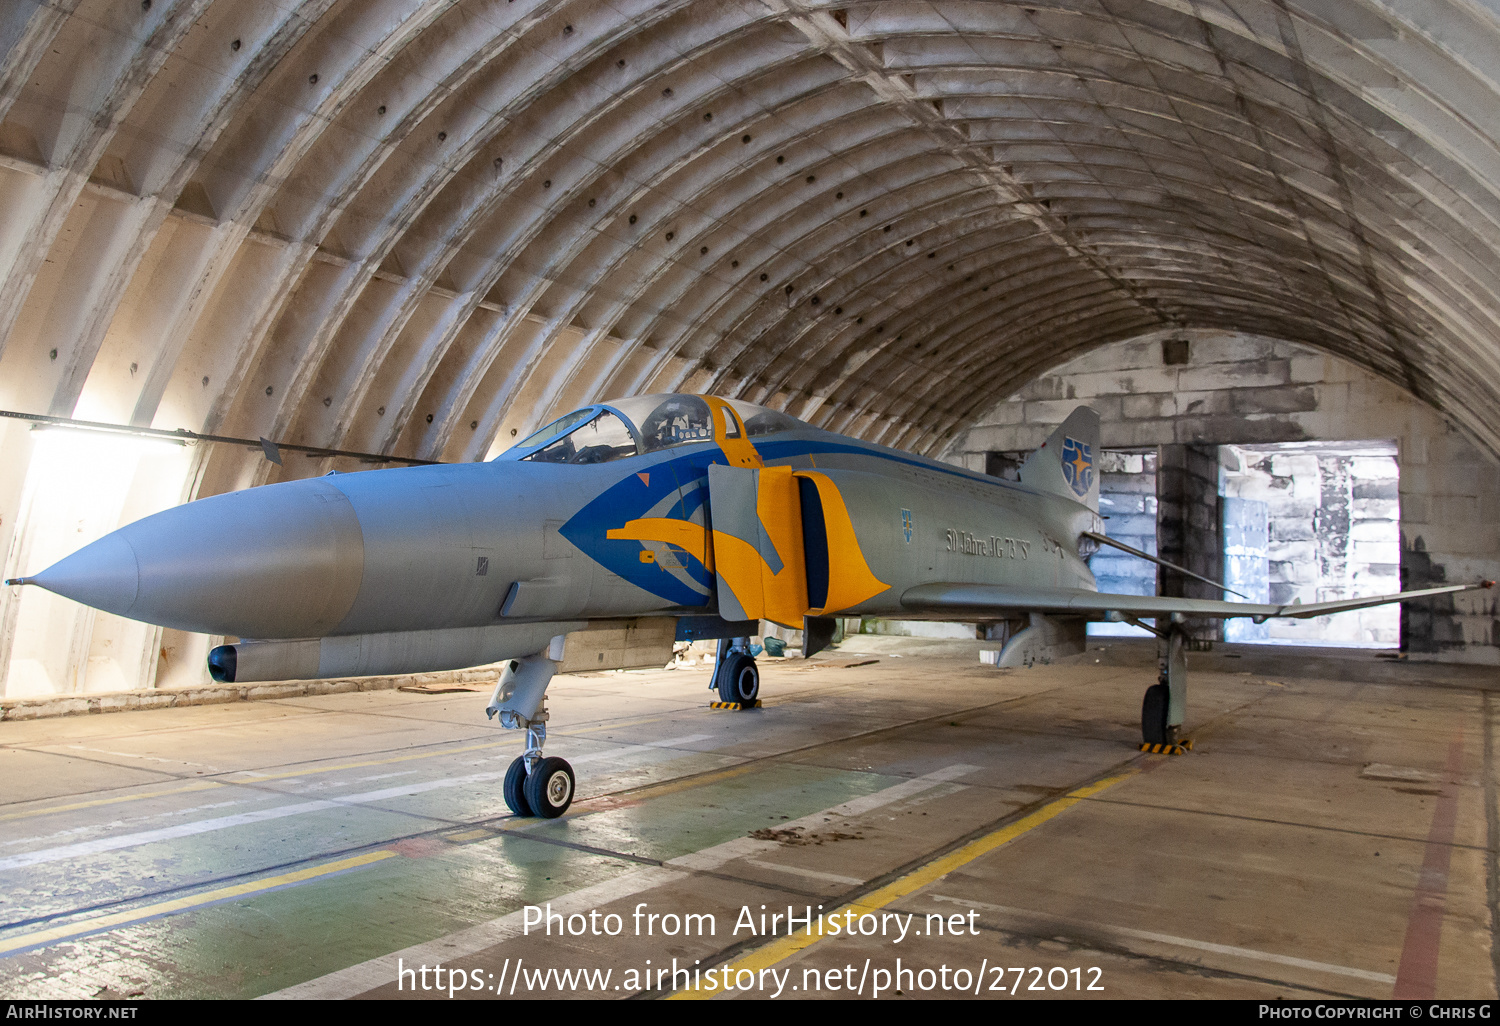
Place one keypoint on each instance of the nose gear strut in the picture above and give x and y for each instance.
(535, 785)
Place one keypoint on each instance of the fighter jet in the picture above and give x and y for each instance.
(605, 536)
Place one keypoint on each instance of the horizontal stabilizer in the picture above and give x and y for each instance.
(978, 600)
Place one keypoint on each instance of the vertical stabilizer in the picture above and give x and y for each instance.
(1067, 462)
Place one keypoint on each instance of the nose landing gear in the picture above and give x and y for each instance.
(535, 785)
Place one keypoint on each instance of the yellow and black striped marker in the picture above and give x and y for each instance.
(735, 705)
(1180, 748)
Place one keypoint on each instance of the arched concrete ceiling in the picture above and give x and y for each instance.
(418, 226)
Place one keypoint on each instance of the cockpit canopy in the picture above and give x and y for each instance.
(619, 428)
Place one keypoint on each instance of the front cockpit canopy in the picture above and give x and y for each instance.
(642, 424)
(599, 439)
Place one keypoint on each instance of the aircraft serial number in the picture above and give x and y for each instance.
(999, 548)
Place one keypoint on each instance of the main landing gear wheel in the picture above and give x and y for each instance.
(515, 787)
(1154, 715)
(549, 788)
(739, 679)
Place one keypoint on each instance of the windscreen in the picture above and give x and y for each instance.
(557, 427)
(601, 440)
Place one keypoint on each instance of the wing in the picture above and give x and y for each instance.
(981, 600)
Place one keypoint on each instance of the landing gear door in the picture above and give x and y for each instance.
(757, 541)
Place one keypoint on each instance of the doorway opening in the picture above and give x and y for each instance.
(1313, 522)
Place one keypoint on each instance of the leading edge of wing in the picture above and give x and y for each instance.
(990, 599)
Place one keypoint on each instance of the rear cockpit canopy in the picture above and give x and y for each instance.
(619, 428)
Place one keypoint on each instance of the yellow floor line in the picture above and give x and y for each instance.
(202, 785)
(99, 923)
(785, 947)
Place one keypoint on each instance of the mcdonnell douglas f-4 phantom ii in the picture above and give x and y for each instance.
(624, 526)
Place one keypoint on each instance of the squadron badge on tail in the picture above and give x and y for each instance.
(1078, 465)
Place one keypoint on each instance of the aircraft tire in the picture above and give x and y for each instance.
(739, 679)
(515, 788)
(549, 789)
(1154, 714)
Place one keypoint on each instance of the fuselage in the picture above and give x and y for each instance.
(560, 530)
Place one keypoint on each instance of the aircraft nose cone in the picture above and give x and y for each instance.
(103, 574)
(280, 561)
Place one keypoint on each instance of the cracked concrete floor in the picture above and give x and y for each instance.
(1332, 833)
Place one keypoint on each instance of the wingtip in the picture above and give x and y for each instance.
(1486, 584)
(18, 580)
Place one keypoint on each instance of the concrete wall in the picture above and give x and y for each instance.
(1243, 389)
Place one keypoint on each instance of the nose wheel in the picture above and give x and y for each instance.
(549, 788)
(515, 787)
(535, 785)
(546, 791)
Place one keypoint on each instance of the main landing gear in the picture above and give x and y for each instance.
(535, 785)
(735, 675)
(1165, 706)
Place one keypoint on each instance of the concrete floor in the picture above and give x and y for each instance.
(1332, 833)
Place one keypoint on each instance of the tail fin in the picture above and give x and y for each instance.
(1066, 463)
